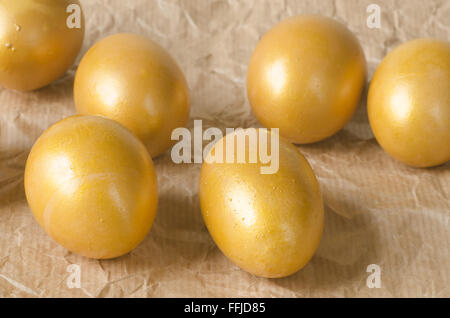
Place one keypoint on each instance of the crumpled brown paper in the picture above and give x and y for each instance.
(378, 211)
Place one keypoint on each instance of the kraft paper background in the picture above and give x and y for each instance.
(378, 211)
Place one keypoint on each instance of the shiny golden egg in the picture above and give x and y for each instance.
(306, 77)
(91, 185)
(130, 79)
(39, 41)
(409, 103)
(269, 224)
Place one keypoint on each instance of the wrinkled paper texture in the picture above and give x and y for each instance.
(378, 211)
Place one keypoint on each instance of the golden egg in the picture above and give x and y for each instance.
(269, 224)
(91, 185)
(39, 41)
(130, 79)
(306, 77)
(409, 103)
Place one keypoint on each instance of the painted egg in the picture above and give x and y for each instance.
(91, 185)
